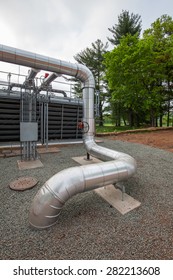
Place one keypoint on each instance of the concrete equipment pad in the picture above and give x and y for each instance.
(109, 193)
(29, 164)
(114, 197)
(82, 160)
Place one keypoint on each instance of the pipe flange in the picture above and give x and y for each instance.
(83, 126)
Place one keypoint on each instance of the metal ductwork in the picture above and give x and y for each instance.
(50, 199)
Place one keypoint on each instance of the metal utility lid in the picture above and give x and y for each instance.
(23, 183)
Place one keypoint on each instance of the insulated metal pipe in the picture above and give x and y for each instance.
(46, 83)
(48, 80)
(31, 75)
(50, 199)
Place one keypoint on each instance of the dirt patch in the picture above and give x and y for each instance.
(162, 139)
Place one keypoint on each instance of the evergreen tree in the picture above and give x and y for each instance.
(127, 24)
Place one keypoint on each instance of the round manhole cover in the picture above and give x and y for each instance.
(23, 183)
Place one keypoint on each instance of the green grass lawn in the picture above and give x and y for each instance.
(111, 128)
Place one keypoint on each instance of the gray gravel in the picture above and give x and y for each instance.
(88, 228)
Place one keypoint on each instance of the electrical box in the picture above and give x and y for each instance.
(28, 131)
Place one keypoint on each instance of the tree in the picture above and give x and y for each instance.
(162, 33)
(127, 24)
(93, 58)
(134, 78)
(140, 74)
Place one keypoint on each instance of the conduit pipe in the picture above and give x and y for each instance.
(50, 199)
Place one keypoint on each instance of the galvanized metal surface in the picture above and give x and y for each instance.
(28, 131)
(49, 201)
(9, 119)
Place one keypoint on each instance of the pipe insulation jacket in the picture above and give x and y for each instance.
(50, 199)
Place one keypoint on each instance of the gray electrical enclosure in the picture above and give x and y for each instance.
(28, 131)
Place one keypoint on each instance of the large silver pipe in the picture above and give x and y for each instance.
(46, 83)
(50, 199)
(31, 75)
(40, 62)
(48, 80)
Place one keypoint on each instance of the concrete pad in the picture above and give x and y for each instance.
(114, 197)
(83, 161)
(23, 165)
(109, 193)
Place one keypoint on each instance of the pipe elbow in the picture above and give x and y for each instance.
(50, 199)
(45, 208)
(85, 75)
(131, 167)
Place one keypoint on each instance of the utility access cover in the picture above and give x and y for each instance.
(23, 183)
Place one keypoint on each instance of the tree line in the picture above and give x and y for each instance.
(135, 78)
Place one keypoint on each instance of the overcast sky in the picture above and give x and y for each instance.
(62, 28)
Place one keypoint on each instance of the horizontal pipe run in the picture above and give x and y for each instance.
(41, 62)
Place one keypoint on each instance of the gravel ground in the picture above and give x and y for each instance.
(88, 228)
